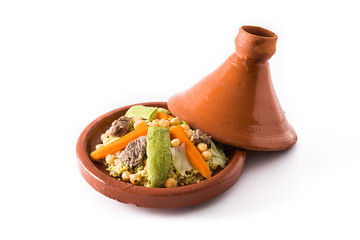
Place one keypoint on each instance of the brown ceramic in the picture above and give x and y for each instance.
(96, 175)
(237, 103)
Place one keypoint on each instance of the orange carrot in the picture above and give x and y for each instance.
(120, 143)
(193, 155)
(162, 115)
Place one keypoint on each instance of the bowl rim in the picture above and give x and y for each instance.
(87, 166)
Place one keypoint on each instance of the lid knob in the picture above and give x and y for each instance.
(255, 43)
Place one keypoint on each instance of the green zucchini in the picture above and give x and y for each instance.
(159, 155)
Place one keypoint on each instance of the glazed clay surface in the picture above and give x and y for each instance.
(237, 103)
(97, 176)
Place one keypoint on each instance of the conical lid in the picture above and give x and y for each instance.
(237, 104)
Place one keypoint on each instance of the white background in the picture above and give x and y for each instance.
(63, 63)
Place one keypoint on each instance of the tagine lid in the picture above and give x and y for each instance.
(237, 104)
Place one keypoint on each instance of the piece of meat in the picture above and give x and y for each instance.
(200, 137)
(134, 152)
(119, 127)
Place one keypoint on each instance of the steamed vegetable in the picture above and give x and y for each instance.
(120, 143)
(192, 153)
(162, 115)
(159, 155)
(181, 162)
(217, 155)
(163, 110)
(172, 159)
(144, 112)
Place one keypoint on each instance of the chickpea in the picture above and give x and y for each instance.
(185, 127)
(155, 123)
(164, 123)
(170, 183)
(117, 162)
(138, 123)
(206, 155)
(126, 176)
(175, 142)
(99, 146)
(136, 118)
(188, 133)
(135, 179)
(110, 159)
(175, 121)
(201, 147)
(103, 137)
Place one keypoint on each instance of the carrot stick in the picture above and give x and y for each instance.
(193, 155)
(120, 143)
(162, 115)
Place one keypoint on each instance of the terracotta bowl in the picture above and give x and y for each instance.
(97, 176)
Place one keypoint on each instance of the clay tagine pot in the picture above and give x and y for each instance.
(97, 176)
(237, 104)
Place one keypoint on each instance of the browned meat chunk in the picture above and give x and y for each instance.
(200, 137)
(134, 152)
(119, 127)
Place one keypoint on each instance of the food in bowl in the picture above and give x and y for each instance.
(150, 147)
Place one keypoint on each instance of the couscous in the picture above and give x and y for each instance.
(150, 147)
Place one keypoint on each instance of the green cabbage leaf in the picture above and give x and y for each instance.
(217, 155)
(181, 162)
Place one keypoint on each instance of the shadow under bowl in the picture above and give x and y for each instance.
(98, 177)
